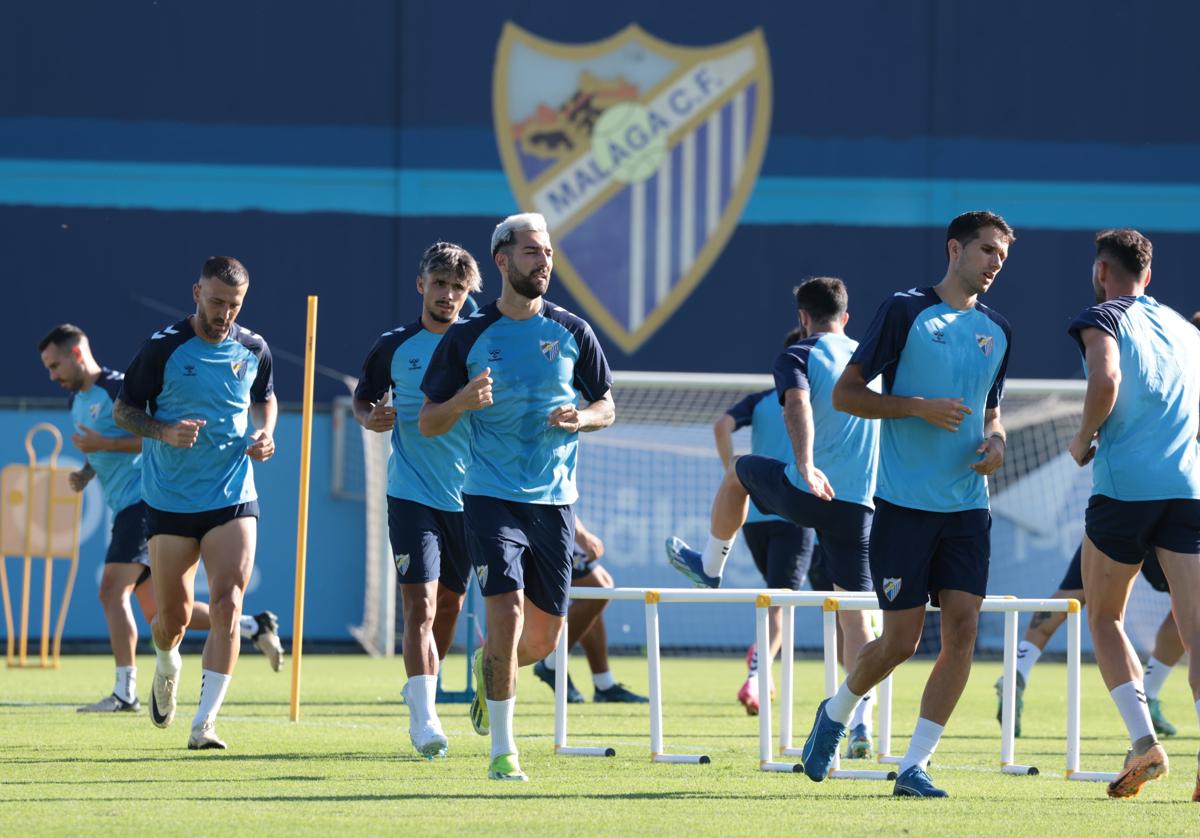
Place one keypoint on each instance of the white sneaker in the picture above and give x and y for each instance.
(162, 699)
(204, 737)
(112, 704)
(429, 740)
(267, 638)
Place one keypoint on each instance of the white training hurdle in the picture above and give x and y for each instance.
(830, 602)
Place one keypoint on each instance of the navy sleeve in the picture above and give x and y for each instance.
(885, 338)
(144, 375)
(1106, 317)
(264, 381)
(110, 381)
(593, 378)
(791, 370)
(376, 378)
(447, 372)
(743, 411)
(997, 392)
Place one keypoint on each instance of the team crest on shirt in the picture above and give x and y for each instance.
(402, 562)
(239, 369)
(640, 153)
(986, 344)
(549, 349)
(891, 588)
(94, 411)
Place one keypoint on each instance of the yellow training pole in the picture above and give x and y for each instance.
(310, 354)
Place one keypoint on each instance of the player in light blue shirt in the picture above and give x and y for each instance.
(113, 457)
(191, 392)
(425, 478)
(1141, 418)
(942, 356)
(527, 377)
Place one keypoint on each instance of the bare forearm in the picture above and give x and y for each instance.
(859, 400)
(1099, 401)
(437, 418)
(362, 409)
(598, 415)
(265, 414)
(797, 416)
(137, 422)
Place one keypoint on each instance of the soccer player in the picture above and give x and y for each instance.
(518, 369)
(191, 392)
(943, 356)
(425, 477)
(829, 479)
(114, 458)
(1140, 421)
(1168, 648)
(782, 552)
(585, 626)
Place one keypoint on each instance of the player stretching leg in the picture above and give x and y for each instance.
(201, 380)
(1168, 648)
(517, 370)
(1140, 421)
(425, 477)
(942, 355)
(114, 458)
(830, 480)
(585, 626)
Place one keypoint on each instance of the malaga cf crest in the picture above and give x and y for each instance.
(640, 154)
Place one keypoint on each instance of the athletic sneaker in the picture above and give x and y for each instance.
(748, 695)
(204, 738)
(112, 704)
(688, 562)
(162, 699)
(914, 782)
(506, 767)
(860, 743)
(430, 741)
(547, 674)
(1161, 726)
(821, 745)
(618, 694)
(1020, 702)
(267, 638)
(479, 708)
(1138, 771)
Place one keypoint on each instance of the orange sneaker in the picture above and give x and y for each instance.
(1138, 771)
(748, 695)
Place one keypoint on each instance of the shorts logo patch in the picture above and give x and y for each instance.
(549, 349)
(239, 369)
(986, 344)
(402, 562)
(891, 588)
(481, 571)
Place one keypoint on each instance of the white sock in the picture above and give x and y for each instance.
(126, 685)
(1130, 699)
(716, 551)
(841, 707)
(247, 625)
(500, 717)
(1027, 656)
(1156, 676)
(924, 742)
(549, 660)
(213, 686)
(421, 694)
(169, 661)
(862, 712)
(603, 680)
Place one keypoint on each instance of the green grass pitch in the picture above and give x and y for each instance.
(347, 767)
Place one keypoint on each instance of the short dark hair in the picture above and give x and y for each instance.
(1196, 319)
(447, 258)
(965, 228)
(227, 269)
(64, 336)
(1127, 247)
(794, 336)
(822, 297)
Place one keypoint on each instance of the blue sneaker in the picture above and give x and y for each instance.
(914, 782)
(821, 745)
(687, 561)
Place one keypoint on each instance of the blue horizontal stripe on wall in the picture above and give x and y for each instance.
(864, 201)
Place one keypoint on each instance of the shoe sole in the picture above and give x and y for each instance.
(907, 792)
(206, 746)
(1130, 783)
(511, 778)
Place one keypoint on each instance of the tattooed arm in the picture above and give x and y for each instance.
(181, 434)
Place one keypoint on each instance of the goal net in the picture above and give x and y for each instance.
(654, 472)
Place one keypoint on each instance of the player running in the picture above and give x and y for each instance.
(827, 482)
(585, 626)
(114, 458)
(942, 355)
(1140, 421)
(517, 369)
(191, 392)
(425, 478)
